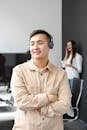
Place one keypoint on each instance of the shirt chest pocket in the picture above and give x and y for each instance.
(32, 85)
(33, 89)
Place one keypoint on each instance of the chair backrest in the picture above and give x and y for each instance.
(76, 91)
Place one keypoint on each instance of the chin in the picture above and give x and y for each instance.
(37, 57)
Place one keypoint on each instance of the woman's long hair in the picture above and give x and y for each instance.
(74, 50)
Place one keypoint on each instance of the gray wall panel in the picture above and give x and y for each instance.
(74, 26)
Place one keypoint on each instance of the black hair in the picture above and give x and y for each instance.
(35, 32)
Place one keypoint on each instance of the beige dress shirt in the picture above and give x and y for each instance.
(30, 87)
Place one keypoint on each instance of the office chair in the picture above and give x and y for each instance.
(76, 96)
(75, 123)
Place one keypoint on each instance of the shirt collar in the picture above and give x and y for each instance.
(33, 67)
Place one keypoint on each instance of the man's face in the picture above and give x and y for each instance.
(39, 46)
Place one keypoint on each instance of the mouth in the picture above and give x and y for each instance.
(69, 48)
(36, 52)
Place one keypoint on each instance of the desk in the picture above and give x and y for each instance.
(7, 111)
(6, 116)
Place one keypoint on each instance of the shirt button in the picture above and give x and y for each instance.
(41, 74)
(43, 118)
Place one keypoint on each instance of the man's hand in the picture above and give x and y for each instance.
(52, 98)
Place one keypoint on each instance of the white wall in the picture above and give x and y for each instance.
(19, 17)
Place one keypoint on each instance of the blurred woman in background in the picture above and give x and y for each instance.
(72, 62)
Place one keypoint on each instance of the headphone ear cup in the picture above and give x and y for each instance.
(51, 44)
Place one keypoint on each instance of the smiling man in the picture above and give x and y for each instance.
(40, 89)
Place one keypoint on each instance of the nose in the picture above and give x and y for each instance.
(36, 45)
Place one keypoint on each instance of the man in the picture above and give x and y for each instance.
(40, 89)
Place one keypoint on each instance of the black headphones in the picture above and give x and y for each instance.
(51, 43)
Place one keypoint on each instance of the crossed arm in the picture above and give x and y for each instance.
(46, 104)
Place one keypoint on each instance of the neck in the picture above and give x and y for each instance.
(40, 63)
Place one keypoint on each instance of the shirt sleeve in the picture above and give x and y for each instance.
(79, 61)
(22, 98)
(63, 104)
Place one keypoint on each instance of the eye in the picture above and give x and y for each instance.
(31, 43)
(41, 42)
